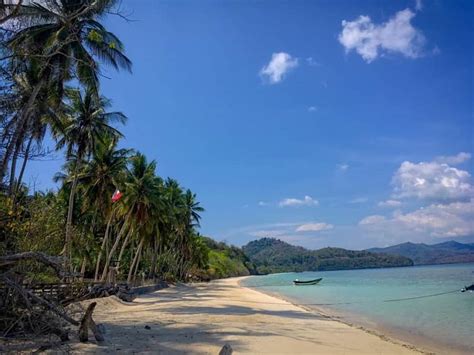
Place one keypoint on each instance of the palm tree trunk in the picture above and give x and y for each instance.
(124, 245)
(135, 258)
(7, 154)
(69, 219)
(22, 119)
(102, 247)
(137, 265)
(11, 185)
(115, 246)
(154, 257)
(83, 267)
(23, 166)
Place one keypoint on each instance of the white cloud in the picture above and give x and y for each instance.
(294, 202)
(437, 220)
(312, 109)
(314, 227)
(432, 181)
(312, 62)
(418, 5)
(280, 64)
(374, 219)
(454, 159)
(371, 40)
(343, 167)
(262, 203)
(389, 203)
(359, 200)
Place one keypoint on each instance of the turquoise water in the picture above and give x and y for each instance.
(446, 319)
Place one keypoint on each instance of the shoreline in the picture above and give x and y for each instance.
(201, 318)
(339, 317)
(417, 342)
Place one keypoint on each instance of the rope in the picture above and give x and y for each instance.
(345, 303)
(418, 297)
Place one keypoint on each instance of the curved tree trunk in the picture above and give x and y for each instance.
(124, 245)
(22, 119)
(115, 246)
(83, 267)
(11, 185)
(137, 266)
(134, 261)
(7, 155)
(70, 210)
(102, 247)
(23, 166)
(154, 257)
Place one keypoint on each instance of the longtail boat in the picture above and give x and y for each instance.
(309, 282)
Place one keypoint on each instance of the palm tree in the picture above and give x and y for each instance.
(65, 40)
(32, 130)
(141, 195)
(86, 124)
(192, 208)
(102, 175)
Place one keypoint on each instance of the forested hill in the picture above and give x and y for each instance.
(272, 255)
(422, 254)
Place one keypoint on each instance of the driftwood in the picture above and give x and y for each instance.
(52, 261)
(27, 294)
(103, 290)
(25, 311)
(88, 323)
(226, 350)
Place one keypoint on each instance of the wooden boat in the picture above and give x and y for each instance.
(468, 288)
(309, 282)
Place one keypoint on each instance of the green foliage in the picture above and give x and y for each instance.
(224, 261)
(272, 255)
(222, 265)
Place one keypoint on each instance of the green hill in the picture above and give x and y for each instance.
(226, 261)
(422, 254)
(272, 255)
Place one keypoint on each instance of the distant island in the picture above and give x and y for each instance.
(423, 254)
(269, 255)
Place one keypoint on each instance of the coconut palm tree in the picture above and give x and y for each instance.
(65, 40)
(102, 175)
(141, 196)
(32, 130)
(86, 124)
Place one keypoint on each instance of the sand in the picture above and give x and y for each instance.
(201, 318)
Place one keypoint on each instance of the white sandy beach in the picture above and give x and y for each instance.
(201, 318)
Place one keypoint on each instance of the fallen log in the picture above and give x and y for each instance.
(88, 323)
(40, 300)
(52, 261)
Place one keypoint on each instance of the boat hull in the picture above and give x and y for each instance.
(310, 282)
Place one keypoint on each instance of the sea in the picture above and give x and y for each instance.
(422, 305)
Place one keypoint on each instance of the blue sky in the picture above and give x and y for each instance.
(341, 123)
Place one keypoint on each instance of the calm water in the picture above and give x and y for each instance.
(446, 319)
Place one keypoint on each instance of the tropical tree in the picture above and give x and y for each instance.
(64, 40)
(86, 124)
(141, 197)
(32, 130)
(103, 175)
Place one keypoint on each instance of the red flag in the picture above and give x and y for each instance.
(116, 196)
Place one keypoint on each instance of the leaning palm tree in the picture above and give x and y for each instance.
(141, 195)
(34, 129)
(102, 175)
(86, 123)
(65, 39)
